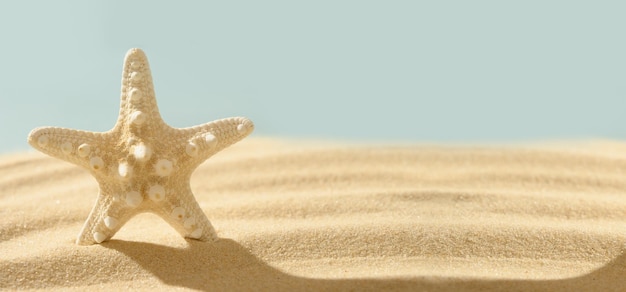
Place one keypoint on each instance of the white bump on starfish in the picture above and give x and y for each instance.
(189, 223)
(142, 152)
(196, 233)
(83, 150)
(67, 147)
(137, 117)
(133, 198)
(135, 95)
(178, 213)
(99, 237)
(191, 149)
(163, 167)
(210, 140)
(110, 222)
(124, 170)
(135, 152)
(43, 140)
(156, 193)
(135, 77)
(96, 163)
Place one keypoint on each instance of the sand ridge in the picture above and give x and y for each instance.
(324, 216)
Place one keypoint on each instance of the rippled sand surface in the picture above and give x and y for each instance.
(321, 216)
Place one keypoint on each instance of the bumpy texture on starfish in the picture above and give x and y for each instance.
(142, 164)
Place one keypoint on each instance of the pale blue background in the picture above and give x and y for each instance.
(425, 71)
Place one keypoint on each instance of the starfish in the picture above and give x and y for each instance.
(142, 164)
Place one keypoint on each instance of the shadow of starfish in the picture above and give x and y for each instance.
(226, 265)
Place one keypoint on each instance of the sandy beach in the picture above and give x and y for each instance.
(328, 216)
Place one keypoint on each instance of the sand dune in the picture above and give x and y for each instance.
(322, 216)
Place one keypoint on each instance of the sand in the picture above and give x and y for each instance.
(324, 216)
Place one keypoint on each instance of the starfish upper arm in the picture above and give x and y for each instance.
(68, 144)
(202, 141)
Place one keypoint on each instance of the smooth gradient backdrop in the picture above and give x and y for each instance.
(423, 71)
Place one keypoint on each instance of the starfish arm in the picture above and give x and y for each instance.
(73, 146)
(138, 106)
(108, 215)
(183, 213)
(202, 141)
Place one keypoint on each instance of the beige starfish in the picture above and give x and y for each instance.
(142, 164)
